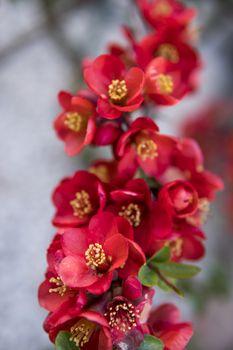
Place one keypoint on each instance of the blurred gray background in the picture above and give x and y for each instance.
(41, 46)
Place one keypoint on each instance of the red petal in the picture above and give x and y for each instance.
(50, 301)
(102, 71)
(95, 317)
(177, 337)
(107, 110)
(124, 228)
(135, 260)
(105, 340)
(102, 285)
(127, 165)
(192, 248)
(134, 81)
(168, 313)
(107, 134)
(75, 273)
(74, 241)
(116, 247)
(131, 106)
(144, 123)
(132, 288)
(64, 99)
(101, 226)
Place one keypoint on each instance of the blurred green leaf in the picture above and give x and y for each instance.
(171, 287)
(147, 276)
(161, 256)
(179, 271)
(151, 343)
(63, 342)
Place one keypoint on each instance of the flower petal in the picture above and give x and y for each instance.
(75, 273)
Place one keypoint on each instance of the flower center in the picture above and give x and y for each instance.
(169, 52)
(101, 172)
(175, 246)
(117, 91)
(164, 84)
(75, 121)
(132, 213)
(81, 204)
(201, 216)
(96, 258)
(82, 331)
(163, 8)
(181, 198)
(147, 149)
(60, 287)
(122, 315)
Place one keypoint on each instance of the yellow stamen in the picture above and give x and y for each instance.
(169, 52)
(81, 332)
(147, 149)
(60, 289)
(164, 84)
(96, 257)
(163, 8)
(122, 316)
(176, 246)
(81, 204)
(101, 172)
(200, 217)
(132, 213)
(117, 91)
(75, 121)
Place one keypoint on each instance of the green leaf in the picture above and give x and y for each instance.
(170, 288)
(151, 343)
(163, 255)
(179, 271)
(63, 342)
(147, 276)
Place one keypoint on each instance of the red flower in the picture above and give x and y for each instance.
(188, 158)
(77, 198)
(166, 12)
(206, 184)
(119, 91)
(164, 83)
(92, 255)
(143, 146)
(185, 242)
(164, 323)
(180, 197)
(125, 53)
(88, 329)
(134, 203)
(170, 44)
(123, 318)
(127, 318)
(52, 293)
(76, 124)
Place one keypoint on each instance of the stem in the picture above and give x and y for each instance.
(164, 279)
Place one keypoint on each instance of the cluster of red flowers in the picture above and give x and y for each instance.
(126, 224)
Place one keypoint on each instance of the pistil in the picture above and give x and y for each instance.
(75, 122)
(81, 204)
(117, 91)
(164, 84)
(132, 213)
(60, 287)
(147, 149)
(81, 332)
